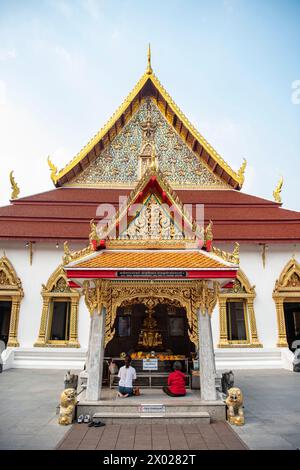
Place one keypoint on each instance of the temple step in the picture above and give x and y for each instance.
(178, 417)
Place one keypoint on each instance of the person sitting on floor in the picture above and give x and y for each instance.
(126, 375)
(176, 382)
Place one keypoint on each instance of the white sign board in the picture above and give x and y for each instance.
(150, 409)
(150, 364)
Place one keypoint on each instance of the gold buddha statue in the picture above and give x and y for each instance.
(149, 336)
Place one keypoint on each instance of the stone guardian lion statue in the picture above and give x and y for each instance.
(67, 406)
(234, 402)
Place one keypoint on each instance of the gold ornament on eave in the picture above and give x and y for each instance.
(15, 188)
(53, 169)
(241, 171)
(277, 190)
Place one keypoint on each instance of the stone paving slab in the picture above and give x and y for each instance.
(218, 436)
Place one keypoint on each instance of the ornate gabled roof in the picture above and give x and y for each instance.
(149, 86)
(152, 220)
(152, 259)
(152, 201)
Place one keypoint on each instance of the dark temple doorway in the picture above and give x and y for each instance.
(292, 322)
(172, 328)
(5, 314)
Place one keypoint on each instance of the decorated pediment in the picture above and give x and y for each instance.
(153, 222)
(289, 278)
(57, 282)
(152, 213)
(119, 153)
(8, 276)
(127, 157)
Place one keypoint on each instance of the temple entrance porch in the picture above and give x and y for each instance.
(153, 406)
(151, 328)
(166, 320)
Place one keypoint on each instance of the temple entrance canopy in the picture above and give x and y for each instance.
(151, 256)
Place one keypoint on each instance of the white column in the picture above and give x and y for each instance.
(96, 355)
(88, 355)
(206, 358)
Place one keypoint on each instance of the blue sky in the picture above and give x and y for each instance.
(66, 65)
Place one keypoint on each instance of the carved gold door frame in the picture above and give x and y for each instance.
(11, 290)
(57, 289)
(287, 289)
(244, 292)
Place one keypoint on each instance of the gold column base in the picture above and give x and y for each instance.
(257, 344)
(240, 345)
(73, 344)
(39, 344)
(282, 343)
(223, 344)
(13, 343)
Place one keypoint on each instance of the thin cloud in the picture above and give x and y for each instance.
(7, 54)
(64, 7)
(92, 7)
(62, 53)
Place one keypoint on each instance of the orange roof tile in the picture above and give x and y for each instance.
(140, 259)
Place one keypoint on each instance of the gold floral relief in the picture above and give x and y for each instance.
(147, 132)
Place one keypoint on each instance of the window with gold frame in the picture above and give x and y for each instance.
(240, 298)
(237, 321)
(59, 320)
(54, 293)
(11, 291)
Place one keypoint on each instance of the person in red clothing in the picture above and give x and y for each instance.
(176, 382)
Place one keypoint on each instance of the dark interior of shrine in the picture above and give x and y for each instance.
(171, 327)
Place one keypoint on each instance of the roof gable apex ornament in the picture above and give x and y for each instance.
(14, 186)
(149, 67)
(277, 191)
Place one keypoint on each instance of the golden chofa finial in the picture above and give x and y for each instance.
(277, 190)
(67, 253)
(149, 68)
(15, 188)
(236, 253)
(209, 231)
(53, 169)
(241, 171)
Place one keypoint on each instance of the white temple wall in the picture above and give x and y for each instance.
(46, 258)
(264, 281)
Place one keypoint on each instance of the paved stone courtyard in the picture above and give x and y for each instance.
(216, 436)
(28, 399)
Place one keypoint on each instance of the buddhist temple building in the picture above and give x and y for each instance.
(147, 244)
